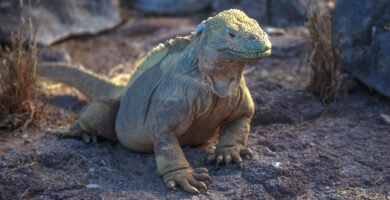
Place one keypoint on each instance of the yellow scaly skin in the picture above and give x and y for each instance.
(183, 92)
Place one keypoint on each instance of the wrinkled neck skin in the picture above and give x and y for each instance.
(222, 76)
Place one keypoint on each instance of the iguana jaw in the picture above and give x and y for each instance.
(247, 54)
(245, 49)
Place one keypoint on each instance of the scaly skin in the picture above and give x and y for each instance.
(182, 93)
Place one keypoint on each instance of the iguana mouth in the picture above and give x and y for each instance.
(249, 53)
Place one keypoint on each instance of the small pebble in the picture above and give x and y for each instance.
(92, 186)
(264, 74)
(91, 170)
(276, 164)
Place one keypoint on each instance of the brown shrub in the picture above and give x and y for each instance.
(18, 79)
(324, 59)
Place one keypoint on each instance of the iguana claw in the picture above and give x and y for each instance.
(191, 180)
(225, 155)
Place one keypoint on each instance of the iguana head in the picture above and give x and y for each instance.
(229, 40)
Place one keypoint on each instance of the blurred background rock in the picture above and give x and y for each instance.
(63, 18)
(361, 31)
(56, 20)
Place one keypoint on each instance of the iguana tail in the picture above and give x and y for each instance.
(90, 84)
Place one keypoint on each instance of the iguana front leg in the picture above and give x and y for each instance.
(171, 162)
(232, 144)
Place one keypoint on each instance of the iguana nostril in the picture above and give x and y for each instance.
(252, 37)
(232, 35)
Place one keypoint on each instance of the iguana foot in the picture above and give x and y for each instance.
(89, 138)
(225, 155)
(64, 133)
(191, 180)
(74, 132)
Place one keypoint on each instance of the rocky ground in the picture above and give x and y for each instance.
(303, 149)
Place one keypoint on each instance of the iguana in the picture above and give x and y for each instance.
(183, 92)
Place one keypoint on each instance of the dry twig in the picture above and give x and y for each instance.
(325, 76)
(18, 77)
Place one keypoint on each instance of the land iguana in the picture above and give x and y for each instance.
(182, 92)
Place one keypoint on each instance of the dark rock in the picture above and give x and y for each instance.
(377, 73)
(64, 18)
(286, 12)
(171, 6)
(360, 33)
(54, 55)
(287, 46)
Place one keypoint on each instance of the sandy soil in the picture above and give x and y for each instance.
(303, 149)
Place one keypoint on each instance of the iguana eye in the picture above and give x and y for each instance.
(232, 35)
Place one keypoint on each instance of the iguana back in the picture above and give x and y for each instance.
(95, 86)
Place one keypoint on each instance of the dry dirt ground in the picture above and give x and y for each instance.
(303, 149)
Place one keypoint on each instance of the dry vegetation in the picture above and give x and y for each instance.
(17, 79)
(325, 77)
